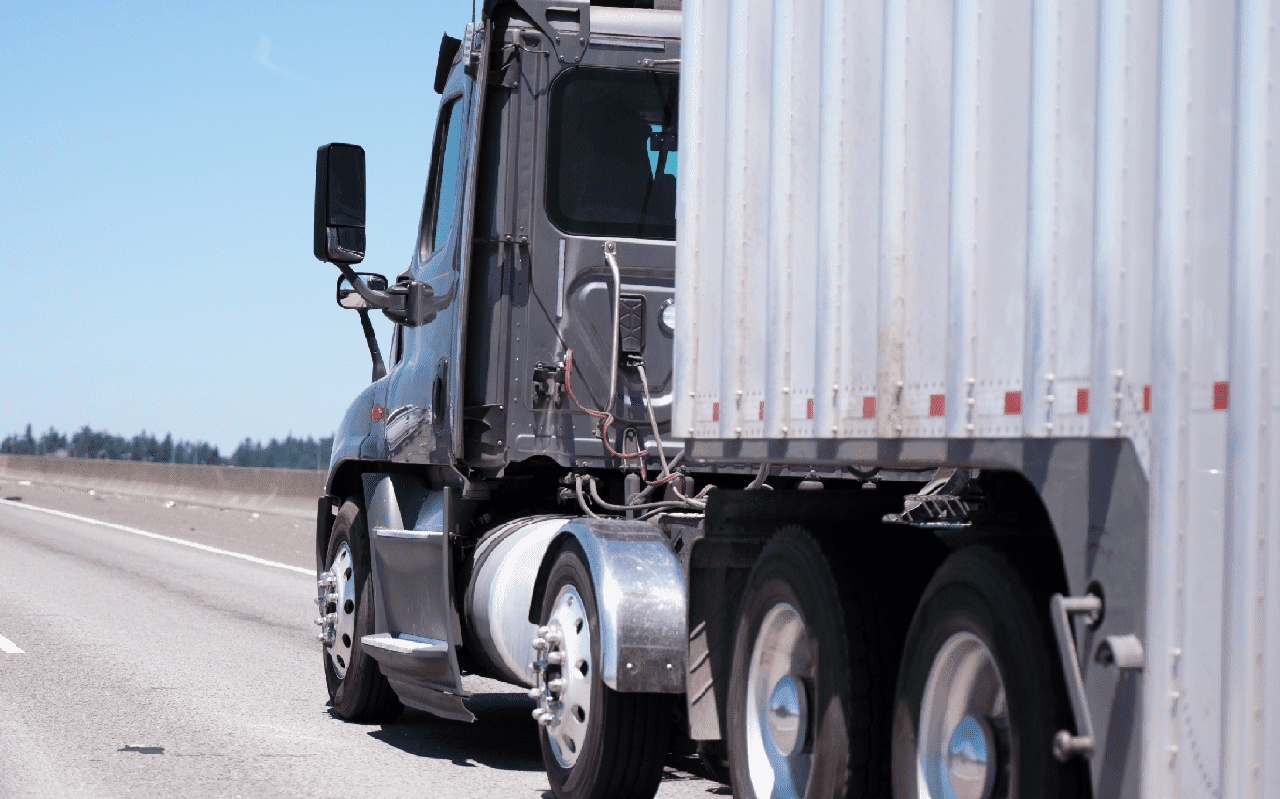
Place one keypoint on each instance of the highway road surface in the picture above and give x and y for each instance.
(153, 648)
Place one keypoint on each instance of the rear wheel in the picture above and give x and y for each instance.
(979, 697)
(596, 742)
(357, 689)
(800, 715)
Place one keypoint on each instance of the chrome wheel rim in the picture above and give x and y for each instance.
(779, 754)
(565, 676)
(340, 611)
(964, 718)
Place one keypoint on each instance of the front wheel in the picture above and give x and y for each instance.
(979, 696)
(357, 689)
(596, 742)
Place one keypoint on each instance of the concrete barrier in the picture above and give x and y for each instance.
(290, 491)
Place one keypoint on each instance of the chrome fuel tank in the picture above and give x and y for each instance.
(497, 602)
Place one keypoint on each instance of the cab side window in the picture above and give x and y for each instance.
(442, 185)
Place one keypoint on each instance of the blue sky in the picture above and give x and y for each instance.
(156, 199)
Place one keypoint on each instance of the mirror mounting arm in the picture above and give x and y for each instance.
(379, 367)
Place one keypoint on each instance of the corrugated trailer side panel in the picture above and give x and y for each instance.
(944, 188)
(991, 219)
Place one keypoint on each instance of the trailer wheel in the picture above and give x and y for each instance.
(596, 742)
(979, 699)
(357, 689)
(800, 717)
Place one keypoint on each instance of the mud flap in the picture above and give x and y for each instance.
(416, 628)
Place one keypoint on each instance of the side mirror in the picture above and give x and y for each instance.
(348, 297)
(340, 191)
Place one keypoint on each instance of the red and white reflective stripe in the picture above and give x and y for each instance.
(1082, 400)
(937, 404)
(868, 407)
(1221, 395)
(1012, 403)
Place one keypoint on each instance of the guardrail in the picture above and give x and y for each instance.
(291, 491)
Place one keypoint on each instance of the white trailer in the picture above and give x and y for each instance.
(1025, 237)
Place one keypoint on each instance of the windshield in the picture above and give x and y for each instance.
(612, 153)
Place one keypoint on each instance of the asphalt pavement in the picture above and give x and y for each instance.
(163, 649)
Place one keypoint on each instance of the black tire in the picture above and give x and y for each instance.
(362, 694)
(833, 657)
(976, 593)
(627, 735)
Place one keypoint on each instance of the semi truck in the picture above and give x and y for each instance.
(931, 458)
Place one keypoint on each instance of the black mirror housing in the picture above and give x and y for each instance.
(340, 197)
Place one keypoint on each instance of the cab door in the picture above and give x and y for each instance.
(424, 424)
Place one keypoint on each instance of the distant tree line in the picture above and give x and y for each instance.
(293, 453)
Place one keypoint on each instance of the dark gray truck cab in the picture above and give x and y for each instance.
(521, 198)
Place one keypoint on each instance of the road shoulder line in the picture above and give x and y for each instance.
(158, 537)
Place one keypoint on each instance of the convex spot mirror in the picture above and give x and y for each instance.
(347, 296)
(340, 193)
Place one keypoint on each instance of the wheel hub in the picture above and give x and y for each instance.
(961, 713)
(787, 713)
(777, 706)
(564, 674)
(969, 770)
(337, 621)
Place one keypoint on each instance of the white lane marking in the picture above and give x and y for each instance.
(158, 537)
(9, 646)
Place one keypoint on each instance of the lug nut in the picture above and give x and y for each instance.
(539, 644)
(327, 580)
(554, 637)
(556, 685)
(555, 658)
(535, 693)
(545, 719)
(543, 630)
(537, 714)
